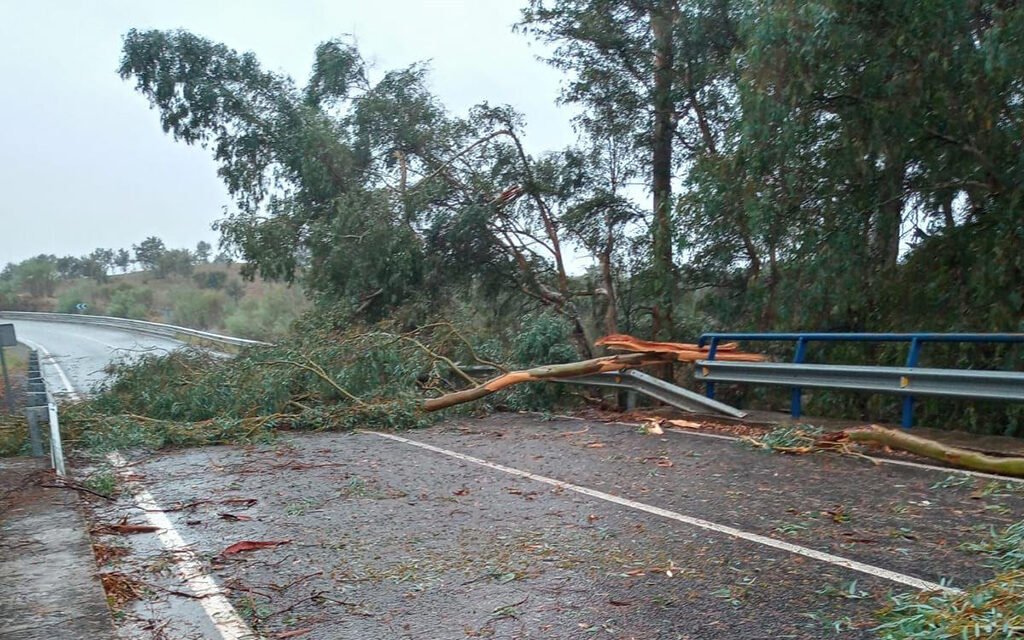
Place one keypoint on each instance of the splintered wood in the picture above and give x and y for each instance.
(680, 351)
(641, 353)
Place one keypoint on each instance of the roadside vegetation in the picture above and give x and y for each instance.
(174, 286)
(326, 376)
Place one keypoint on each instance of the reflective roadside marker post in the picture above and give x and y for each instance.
(7, 339)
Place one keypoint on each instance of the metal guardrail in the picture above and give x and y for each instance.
(909, 381)
(41, 408)
(644, 384)
(137, 326)
(637, 382)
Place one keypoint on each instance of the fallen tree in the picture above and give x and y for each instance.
(539, 374)
(803, 439)
(642, 353)
(964, 458)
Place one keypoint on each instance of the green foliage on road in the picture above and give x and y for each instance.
(993, 610)
(324, 375)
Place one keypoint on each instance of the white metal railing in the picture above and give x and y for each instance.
(137, 326)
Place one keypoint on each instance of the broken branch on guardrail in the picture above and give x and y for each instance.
(642, 353)
(682, 351)
(539, 374)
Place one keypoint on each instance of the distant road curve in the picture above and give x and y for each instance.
(82, 351)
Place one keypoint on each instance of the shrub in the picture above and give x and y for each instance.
(197, 309)
(266, 318)
(210, 279)
(129, 302)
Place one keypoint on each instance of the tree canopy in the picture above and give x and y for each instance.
(837, 164)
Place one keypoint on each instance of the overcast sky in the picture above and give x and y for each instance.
(85, 164)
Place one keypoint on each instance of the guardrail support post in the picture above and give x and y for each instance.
(56, 450)
(709, 387)
(34, 415)
(908, 401)
(796, 397)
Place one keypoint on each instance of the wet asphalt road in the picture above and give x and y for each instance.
(82, 351)
(386, 540)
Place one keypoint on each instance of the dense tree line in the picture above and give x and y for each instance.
(847, 165)
(833, 164)
(38, 277)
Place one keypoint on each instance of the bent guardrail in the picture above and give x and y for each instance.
(908, 381)
(137, 326)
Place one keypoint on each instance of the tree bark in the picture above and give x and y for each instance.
(964, 458)
(569, 370)
(662, 19)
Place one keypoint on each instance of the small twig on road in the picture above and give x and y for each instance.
(294, 582)
(76, 487)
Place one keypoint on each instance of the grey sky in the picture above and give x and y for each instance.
(85, 164)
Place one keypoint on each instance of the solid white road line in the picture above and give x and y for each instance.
(189, 569)
(69, 389)
(822, 556)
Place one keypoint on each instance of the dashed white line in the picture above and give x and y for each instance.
(822, 556)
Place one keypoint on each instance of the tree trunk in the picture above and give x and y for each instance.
(611, 315)
(569, 370)
(937, 451)
(662, 19)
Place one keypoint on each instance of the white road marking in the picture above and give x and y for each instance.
(822, 556)
(69, 389)
(211, 598)
(190, 570)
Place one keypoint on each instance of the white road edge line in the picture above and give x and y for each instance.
(220, 610)
(822, 556)
(68, 387)
(190, 570)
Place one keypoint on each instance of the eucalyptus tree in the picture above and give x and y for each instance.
(659, 64)
(877, 148)
(368, 190)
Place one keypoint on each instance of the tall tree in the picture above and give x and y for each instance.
(370, 191)
(655, 66)
(148, 253)
(202, 252)
(871, 134)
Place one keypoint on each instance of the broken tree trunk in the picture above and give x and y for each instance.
(569, 370)
(643, 353)
(964, 458)
(681, 351)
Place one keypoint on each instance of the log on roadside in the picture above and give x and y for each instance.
(924, 447)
